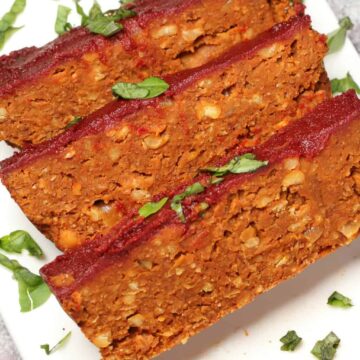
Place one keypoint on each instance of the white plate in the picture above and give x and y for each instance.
(299, 304)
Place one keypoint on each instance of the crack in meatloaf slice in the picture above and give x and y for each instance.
(43, 89)
(85, 180)
(152, 283)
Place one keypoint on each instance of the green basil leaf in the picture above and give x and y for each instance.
(81, 12)
(152, 208)
(73, 122)
(326, 349)
(204, 206)
(33, 292)
(175, 205)
(239, 165)
(338, 300)
(95, 11)
(9, 264)
(62, 25)
(216, 180)
(58, 346)
(344, 84)
(129, 91)
(336, 39)
(290, 341)
(120, 14)
(18, 241)
(104, 26)
(147, 89)
(193, 189)
(6, 35)
(7, 21)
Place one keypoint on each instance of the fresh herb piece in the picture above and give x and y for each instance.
(81, 12)
(20, 240)
(152, 208)
(338, 300)
(106, 24)
(8, 20)
(239, 165)
(204, 206)
(290, 341)
(120, 14)
(344, 84)
(33, 292)
(95, 11)
(62, 25)
(147, 89)
(336, 39)
(216, 180)
(103, 26)
(58, 346)
(176, 205)
(326, 349)
(74, 121)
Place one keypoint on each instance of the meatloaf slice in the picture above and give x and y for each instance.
(152, 283)
(42, 89)
(86, 179)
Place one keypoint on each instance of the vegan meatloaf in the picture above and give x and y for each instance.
(152, 283)
(43, 89)
(86, 179)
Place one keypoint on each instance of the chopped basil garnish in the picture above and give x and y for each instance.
(103, 26)
(216, 180)
(81, 12)
(336, 39)
(33, 292)
(18, 241)
(152, 207)
(8, 20)
(59, 345)
(95, 11)
(106, 24)
(326, 349)
(338, 300)
(62, 25)
(239, 165)
(193, 189)
(290, 341)
(147, 89)
(73, 122)
(344, 84)
(204, 206)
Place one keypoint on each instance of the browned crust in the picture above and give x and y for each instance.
(150, 151)
(260, 233)
(40, 107)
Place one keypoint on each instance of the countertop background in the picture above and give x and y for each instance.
(341, 8)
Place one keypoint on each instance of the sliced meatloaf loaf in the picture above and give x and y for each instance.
(42, 89)
(152, 283)
(87, 178)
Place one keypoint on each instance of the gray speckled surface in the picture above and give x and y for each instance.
(341, 7)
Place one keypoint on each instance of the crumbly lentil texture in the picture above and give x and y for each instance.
(40, 108)
(93, 182)
(260, 233)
